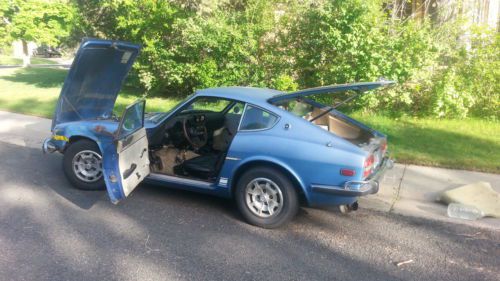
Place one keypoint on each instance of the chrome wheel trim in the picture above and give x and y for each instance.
(263, 197)
(87, 166)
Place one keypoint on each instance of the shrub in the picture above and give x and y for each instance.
(297, 44)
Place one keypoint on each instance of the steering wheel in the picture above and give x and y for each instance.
(195, 130)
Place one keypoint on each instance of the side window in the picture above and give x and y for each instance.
(132, 119)
(257, 119)
(236, 109)
(211, 104)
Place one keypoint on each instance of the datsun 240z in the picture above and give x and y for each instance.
(269, 151)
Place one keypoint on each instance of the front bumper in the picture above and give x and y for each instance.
(48, 146)
(357, 188)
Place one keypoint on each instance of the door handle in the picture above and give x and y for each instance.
(142, 153)
(129, 171)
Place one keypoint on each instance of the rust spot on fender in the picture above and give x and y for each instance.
(102, 130)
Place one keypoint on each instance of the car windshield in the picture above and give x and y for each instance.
(207, 104)
(156, 117)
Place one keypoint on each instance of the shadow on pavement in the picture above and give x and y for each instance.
(52, 231)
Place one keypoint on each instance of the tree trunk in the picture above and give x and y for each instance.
(26, 54)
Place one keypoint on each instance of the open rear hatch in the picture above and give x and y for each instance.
(301, 104)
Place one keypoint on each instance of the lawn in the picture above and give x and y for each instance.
(463, 144)
(7, 60)
(35, 91)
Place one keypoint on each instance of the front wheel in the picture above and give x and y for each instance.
(266, 197)
(82, 165)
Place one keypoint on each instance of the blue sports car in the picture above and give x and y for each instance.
(270, 151)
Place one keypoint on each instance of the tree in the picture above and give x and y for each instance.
(4, 22)
(43, 22)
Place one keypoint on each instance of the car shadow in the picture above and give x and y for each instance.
(50, 175)
(172, 234)
(29, 165)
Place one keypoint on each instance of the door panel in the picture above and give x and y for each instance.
(133, 160)
(126, 159)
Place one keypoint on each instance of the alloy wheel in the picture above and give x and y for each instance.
(87, 166)
(264, 197)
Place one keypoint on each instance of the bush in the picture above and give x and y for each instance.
(463, 78)
(297, 44)
(481, 73)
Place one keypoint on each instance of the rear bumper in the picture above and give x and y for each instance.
(357, 188)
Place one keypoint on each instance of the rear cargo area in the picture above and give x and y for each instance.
(329, 120)
(340, 127)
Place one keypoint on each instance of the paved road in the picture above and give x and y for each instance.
(50, 231)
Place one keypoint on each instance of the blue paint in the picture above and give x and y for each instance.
(309, 154)
(94, 80)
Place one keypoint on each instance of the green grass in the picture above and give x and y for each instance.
(7, 60)
(464, 144)
(470, 144)
(36, 60)
(35, 91)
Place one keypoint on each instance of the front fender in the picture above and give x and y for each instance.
(101, 132)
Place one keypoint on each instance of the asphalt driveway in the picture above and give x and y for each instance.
(51, 231)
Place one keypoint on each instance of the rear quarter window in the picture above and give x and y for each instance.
(256, 118)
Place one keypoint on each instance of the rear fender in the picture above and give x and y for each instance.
(271, 161)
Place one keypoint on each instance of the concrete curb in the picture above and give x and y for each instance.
(414, 191)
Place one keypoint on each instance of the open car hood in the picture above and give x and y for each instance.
(357, 87)
(94, 80)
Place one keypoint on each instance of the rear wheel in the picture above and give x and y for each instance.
(266, 197)
(82, 165)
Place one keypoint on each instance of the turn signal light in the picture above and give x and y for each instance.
(347, 172)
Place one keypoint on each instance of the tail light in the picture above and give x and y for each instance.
(368, 166)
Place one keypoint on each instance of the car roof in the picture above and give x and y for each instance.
(245, 94)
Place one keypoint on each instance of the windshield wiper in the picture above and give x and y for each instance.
(330, 108)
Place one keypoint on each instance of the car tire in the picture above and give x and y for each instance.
(266, 197)
(85, 152)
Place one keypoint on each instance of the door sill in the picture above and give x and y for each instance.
(180, 180)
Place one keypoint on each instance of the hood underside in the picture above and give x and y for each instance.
(94, 80)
